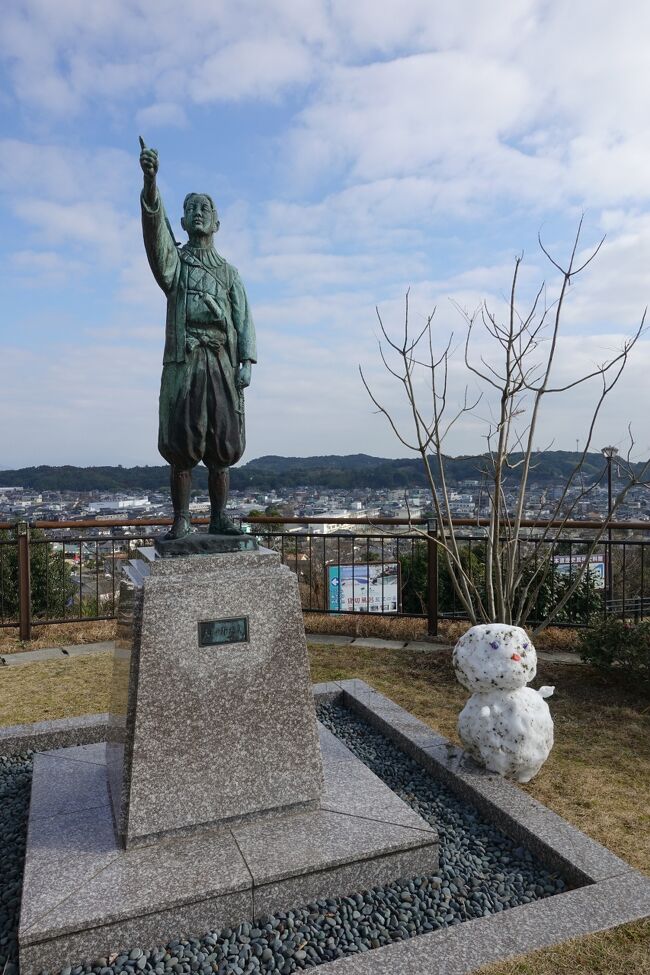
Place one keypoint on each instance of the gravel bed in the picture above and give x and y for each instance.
(481, 872)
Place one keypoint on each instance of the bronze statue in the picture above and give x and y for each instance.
(209, 350)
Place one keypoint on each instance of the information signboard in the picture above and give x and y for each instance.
(569, 565)
(366, 587)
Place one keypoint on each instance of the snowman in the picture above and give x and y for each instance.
(505, 726)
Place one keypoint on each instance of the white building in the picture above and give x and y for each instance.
(119, 504)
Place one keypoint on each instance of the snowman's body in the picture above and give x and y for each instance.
(505, 726)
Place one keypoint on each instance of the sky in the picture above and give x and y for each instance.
(355, 150)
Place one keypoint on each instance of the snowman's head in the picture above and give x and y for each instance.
(494, 656)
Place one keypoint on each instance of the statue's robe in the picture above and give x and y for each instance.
(209, 332)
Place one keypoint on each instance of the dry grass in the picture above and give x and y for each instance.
(623, 951)
(57, 635)
(349, 624)
(554, 638)
(55, 689)
(367, 624)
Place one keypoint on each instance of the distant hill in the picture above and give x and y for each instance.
(344, 462)
(274, 473)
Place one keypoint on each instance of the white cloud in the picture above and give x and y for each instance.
(45, 267)
(614, 290)
(93, 224)
(108, 411)
(62, 59)
(63, 173)
(255, 68)
(162, 114)
(543, 105)
(419, 25)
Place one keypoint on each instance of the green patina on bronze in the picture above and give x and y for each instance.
(209, 350)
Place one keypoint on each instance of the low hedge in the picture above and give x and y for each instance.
(617, 643)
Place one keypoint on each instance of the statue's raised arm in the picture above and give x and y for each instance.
(158, 239)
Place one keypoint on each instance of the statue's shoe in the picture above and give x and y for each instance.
(223, 526)
(180, 528)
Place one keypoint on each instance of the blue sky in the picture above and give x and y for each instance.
(354, 150)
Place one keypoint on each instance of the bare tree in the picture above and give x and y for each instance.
(518, 379)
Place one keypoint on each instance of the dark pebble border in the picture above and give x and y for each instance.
(482, 873)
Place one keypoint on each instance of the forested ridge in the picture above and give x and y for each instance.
(277, 473)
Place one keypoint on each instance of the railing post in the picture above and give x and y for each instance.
(432, 578)
(24, 582)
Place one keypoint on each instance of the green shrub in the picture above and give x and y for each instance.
(618, 643)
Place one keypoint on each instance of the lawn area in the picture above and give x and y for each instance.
(55, 689)
(597, 777)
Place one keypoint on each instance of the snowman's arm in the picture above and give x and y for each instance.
(546, 691)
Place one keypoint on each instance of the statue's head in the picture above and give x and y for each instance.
(199, 215)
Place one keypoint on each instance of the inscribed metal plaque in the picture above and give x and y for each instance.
(215, 632)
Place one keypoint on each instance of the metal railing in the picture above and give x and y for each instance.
(69, 571)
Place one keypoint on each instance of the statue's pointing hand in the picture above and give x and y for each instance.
(148, 160)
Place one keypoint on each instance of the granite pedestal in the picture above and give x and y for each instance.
(206, 733)
(213, 801)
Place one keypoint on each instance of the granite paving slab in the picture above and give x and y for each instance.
(347, 879)
(95, 753)
(327, 690)
(332, 748)
(138, 882)
(43, 735)
(317, 841)
(352, 789)
(151, 929)
(60, 785)
(63, 853)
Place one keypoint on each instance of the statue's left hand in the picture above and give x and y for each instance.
(244, 377)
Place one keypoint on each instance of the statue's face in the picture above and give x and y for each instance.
(198, 216)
